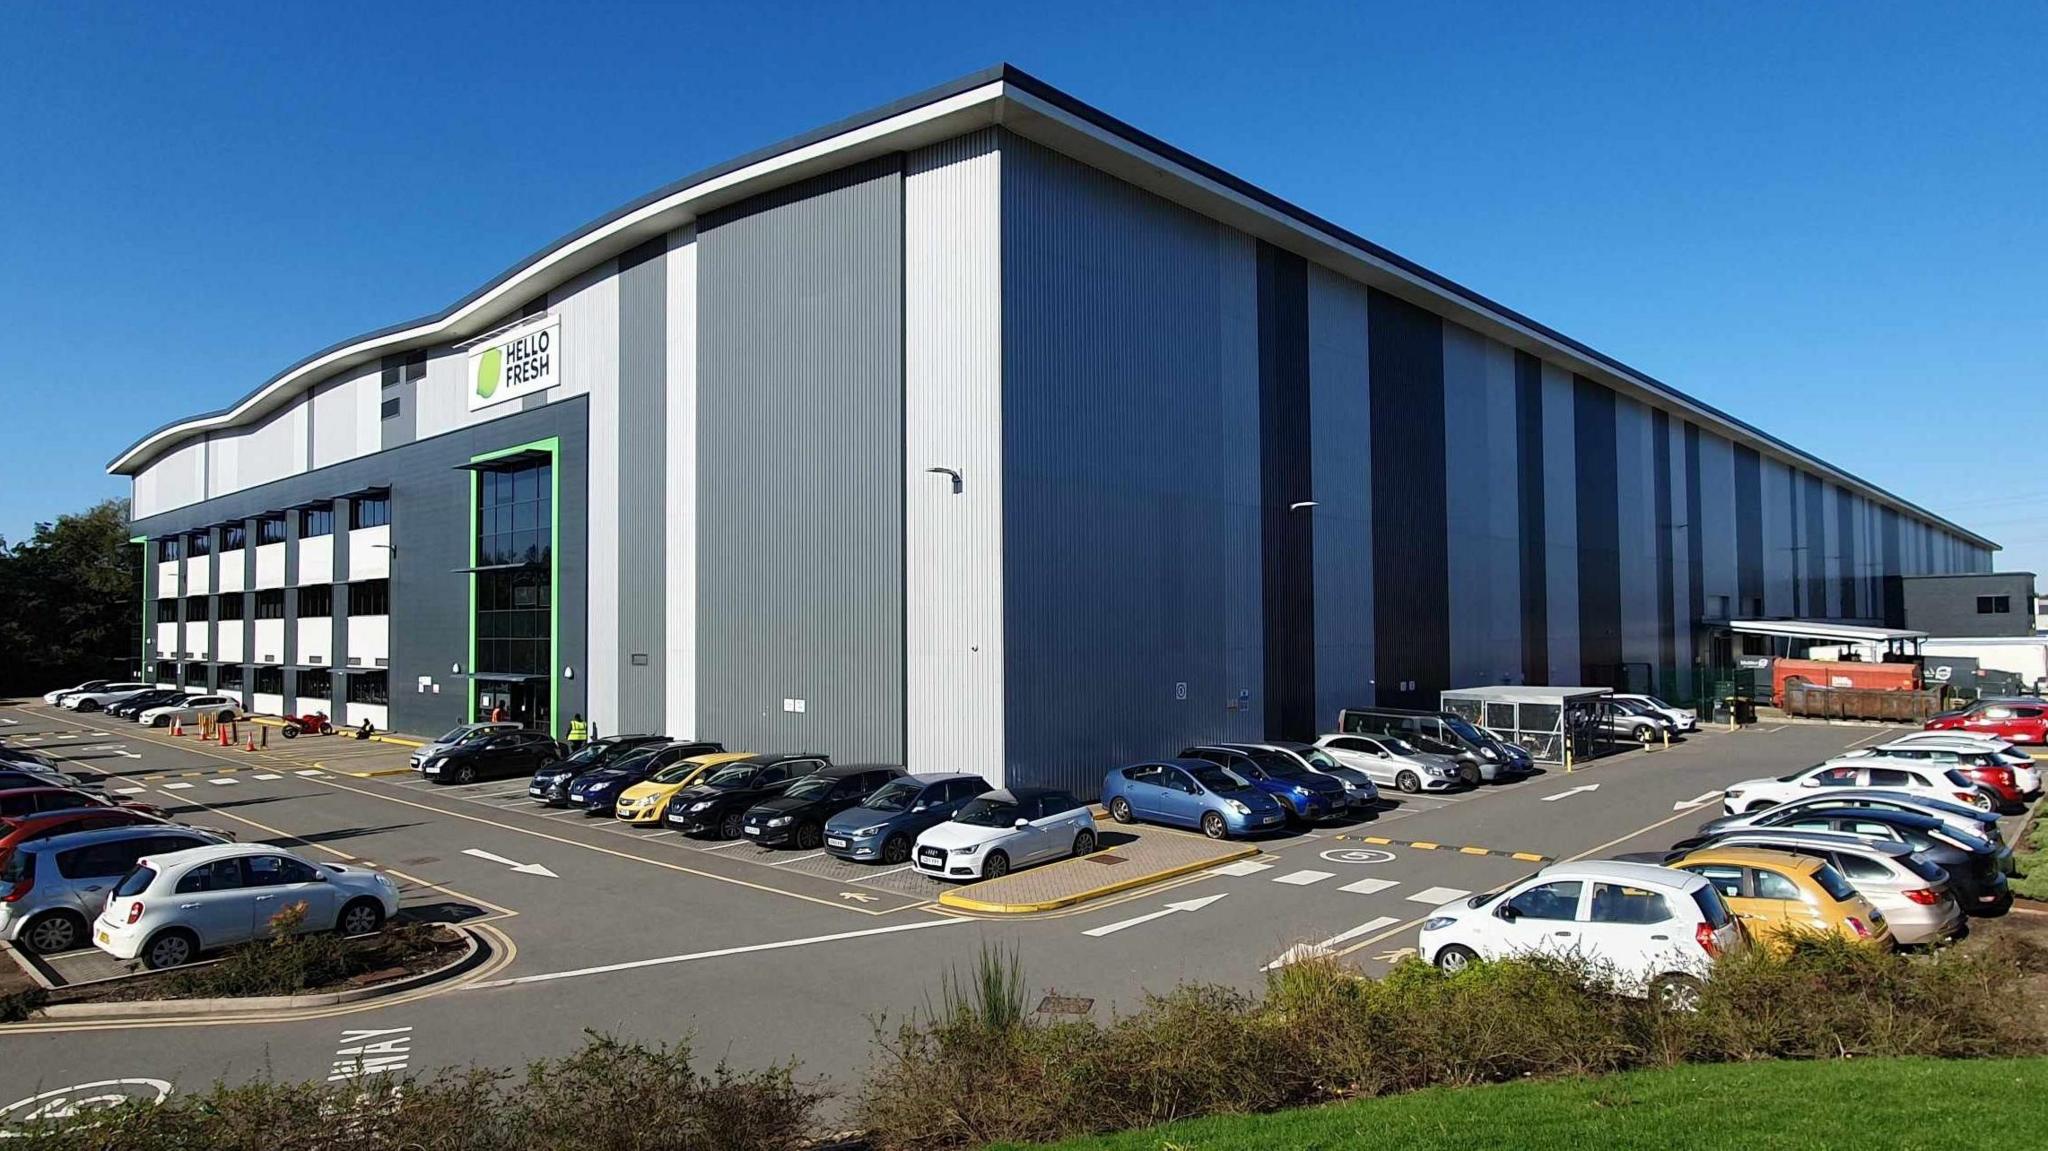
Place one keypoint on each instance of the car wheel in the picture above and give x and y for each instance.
(87, 705)
(1759, 805)
(995, 866)
(1676, 993)
(465, 774)
(1084, 842)
(1454, 958)
(160, 721)
(808, 836)
(173, 948)
(732, 825)
(360, 917)
(1213, 825)
(1409, 782)
(1645, 734)
(1120, 810)
(1982, 803)
(57, 931)
(896, 849)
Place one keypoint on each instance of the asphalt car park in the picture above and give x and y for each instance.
(649, 933)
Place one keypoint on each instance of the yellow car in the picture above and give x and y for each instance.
(647, 802)
(1774, 893)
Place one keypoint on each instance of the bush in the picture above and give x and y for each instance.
(610, 1096)
(16, 1006)
(1320, 1033)
(289, 961)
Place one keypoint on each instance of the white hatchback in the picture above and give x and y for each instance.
(1684, 718)
(172, 907)
(221, 707)
(1647, 928)
(998, 831)
(1927, 780)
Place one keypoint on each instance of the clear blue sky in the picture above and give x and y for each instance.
(1826, 219)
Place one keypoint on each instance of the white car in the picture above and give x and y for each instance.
(172, 907)
(1928, 780)
(1391, 761)
(456, 736)
(999, 831)
(60, 693)
(98, 698)
(223, 708)
(1652, 929)
(1683, 718)
(2027, 773)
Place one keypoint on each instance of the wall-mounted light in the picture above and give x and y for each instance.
(454, 669)
(1298, 505)
(568, 673)
(949, 473)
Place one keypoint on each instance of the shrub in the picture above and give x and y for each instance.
(16, 1006)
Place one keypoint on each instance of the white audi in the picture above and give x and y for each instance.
(224, 708)
(172, 907)
(1928, 780)
(999, 831)
(99, 698)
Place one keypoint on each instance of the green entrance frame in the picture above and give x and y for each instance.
(553, 447)
(145, 668)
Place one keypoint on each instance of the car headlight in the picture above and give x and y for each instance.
(1349, 786)
(1733, 793)
(1488, 753)
(701, 805)
(385, 881)
(970, 849)
(1437, 922)
(864, 832)
(1441, 771)
(1300, 790)
(1237, 807)
(779, 821)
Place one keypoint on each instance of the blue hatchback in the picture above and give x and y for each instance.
(1306, 795)
(1191, 793)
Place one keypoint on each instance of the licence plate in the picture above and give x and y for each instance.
(931, 857)
(103, 937)
(834, 841)
(1270, 819)
(753, 831)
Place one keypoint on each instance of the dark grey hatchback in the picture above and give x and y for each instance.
(888, 822)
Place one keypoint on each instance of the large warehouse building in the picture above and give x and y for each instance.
(978, 432)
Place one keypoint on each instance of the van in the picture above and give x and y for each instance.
(1480, 755)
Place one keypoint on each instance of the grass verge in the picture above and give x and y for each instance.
(1872, 1104)
(2030, 855)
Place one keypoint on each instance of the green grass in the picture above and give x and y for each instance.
(2031, 855)
(1870, 1105)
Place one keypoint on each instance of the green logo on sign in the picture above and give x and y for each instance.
(490, 372)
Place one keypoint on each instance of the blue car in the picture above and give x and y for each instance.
(597, 792)
(1191, 793)
(887, 822)
(1306, 795)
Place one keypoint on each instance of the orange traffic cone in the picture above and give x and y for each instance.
(223, 735)
(251, 746)
(177, 729)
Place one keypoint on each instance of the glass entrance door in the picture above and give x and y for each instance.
(525, 704)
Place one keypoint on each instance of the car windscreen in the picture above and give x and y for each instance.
(1711, 906)
(1802, 773)
(1280, 765)
(732, 778)
(1831, 881)
(674, 772)
(1463, 730)
(1219, 778)
(631, 760)
(895, 795)
(1320, 759)
(135, 882)
(813, 787)
(989, 813)
(17, 866)
(1925, 870)
(1399, 746)
(595, 753)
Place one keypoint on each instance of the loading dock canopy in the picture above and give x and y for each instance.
(1824, 631)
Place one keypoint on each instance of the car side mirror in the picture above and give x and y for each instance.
(1508, 913)
(1023, 823)
(919, 807)
(1809, 782)
(1197, 790)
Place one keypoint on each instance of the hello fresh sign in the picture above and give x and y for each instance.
(522, 362)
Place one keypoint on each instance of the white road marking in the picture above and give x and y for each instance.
(892, 871)
(723, 846)
(1366, 928)
(1438, 895)
(1296, 954)
(309, 771)
(223, 781)
(130, 790)
(798, 859)
(1580, 790)
(176, 786)
(1700, 800)
(1169, 909)
(374, 1052)
(1303, 878)
(1243, 867)
(1370, 886)
(521, 868)
(268, 776)
(721, 953)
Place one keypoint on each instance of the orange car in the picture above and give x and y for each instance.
(1776, 893)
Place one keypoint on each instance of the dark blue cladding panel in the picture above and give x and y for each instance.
(1599, 511)
(1410, 554)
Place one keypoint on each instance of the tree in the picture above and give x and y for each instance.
(70, 601)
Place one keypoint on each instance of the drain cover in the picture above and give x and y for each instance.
(1106, 859)
(1065, 1005)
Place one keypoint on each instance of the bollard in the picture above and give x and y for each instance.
(1667, 739)
(1567, 756)
(266, 736)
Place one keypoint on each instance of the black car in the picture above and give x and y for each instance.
(551, 783)
(597, 792)
(500, 756)
(718, 806)
(135, 705)
(797, 816)
(1975, 866)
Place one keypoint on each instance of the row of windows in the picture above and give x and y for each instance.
(313, 522)
(1994, 605)
(368, 597)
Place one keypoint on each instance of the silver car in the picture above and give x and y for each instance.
(1914, 894)
(56, 886)
(455, 736)
(1387, 759)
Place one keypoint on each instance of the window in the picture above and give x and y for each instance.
(270, 681)
(230, 606)
(276, 870)
(513, 621)
(1874, 830)
(1144, 773)
(270, 604)
(1994, 605)
(316, 602)
(316, 522)
(167, 673)
(201, 545)
(195, 676)
(170, 548)
(103, 859)
(1837, 777)
(369, 687)
(220, 875)
(1889, 777)
(1771, 885)
(195, 609)
(1558, 900)
(370, 597)
(369, 512)
(1725, 878)
(231, 677)
(167, 611)
(389, 409)
(231, 537)
(515, 518)
(1862, 867)
(270, 530)
(1710, 905)
(1616, 903)
(316, 686)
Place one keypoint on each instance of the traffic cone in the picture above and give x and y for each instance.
(177, 729)
(223, 735)
(251, 745)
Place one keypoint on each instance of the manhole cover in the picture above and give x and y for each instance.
(1065, 1005)
(1105, 859)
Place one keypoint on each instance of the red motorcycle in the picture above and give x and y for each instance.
(312, 723)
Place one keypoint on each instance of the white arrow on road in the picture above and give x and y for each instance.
(521, 868)
(857, 897)
(120, 749)
(1700, 800)
(1572, 792)
(1183, 905)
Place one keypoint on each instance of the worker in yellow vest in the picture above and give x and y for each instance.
(579, 733)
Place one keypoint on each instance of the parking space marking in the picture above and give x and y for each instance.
(1243, 867)
(223, 781)
(1438, 895)
(749, 949)
(1303, 878)
(130, 790)
(1368, 926)
(308, 771)
(720, 846)
(268, 776)
(1461, 849)
(1370, 886)
(798, 859)
(176, 786)
(894, 870)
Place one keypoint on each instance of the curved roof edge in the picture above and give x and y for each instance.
(994, 87)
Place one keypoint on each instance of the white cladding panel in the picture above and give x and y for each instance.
(681, 683)
(265, 703)
(198, 575)
(316, 560)
(369, 640)
(345, 417)
(176, 479)
(233, 570)
(167, 640)
(230, 638)
(353, 715)
(316, 641)
(369, 553)
(269, 566)
(269, 642)
(196, 646)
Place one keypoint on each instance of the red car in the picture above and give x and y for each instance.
(21, 802)
(2019, 720)
(17, 831)
(1998, 778)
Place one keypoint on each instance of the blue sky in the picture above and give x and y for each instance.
(1824, 218)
